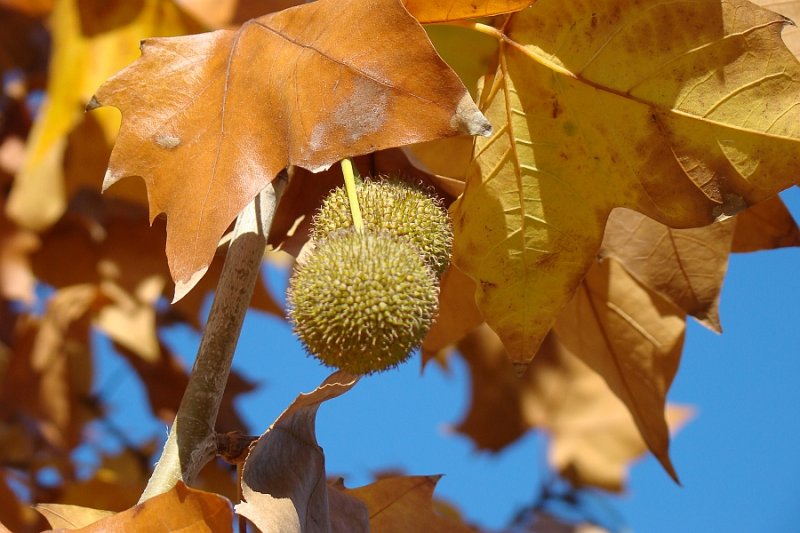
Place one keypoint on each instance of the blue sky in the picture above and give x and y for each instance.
(737, 459)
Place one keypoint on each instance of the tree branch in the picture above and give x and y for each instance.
(192, 441)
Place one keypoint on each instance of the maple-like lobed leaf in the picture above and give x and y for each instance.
(685, 112)
(210, 119)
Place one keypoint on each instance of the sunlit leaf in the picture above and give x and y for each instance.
(208, 134)
(616, 104)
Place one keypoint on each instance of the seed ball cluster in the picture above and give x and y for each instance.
(362, 301)
(396, 207)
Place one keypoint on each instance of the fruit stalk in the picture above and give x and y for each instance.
(352, 197)
(192, 441)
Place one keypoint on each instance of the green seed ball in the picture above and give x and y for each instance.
(362, 301)
(398, 208)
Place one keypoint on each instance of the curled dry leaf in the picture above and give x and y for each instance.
(593, 437)
(283, 480)
(180, 509)
(686, 266)
(607, 104)
(404, 503)
(306, 86)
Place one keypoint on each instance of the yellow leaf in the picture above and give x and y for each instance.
(791, 10)
(686, 112)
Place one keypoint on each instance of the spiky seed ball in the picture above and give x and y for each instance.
(397, 207)
(362, 301)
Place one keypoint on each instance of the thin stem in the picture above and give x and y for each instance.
(191, 442)
(350, 187)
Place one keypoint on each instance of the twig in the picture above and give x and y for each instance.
(191, 442)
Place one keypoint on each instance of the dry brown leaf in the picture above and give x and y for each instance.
(633, 338)
(765, 226)
(180, 509)
(283, 480)
(405, 503)
(433, 11)
(686, 266)
(791, 10)
(458, 313)
(66, 516)
(300, 87)
(594, 437)
(67, 149)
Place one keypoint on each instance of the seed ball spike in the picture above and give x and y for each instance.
(362, 301)
(394, 206)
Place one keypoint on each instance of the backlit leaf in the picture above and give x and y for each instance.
(686, 266)
(765, 226)
(631, 337)
(686, 112)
